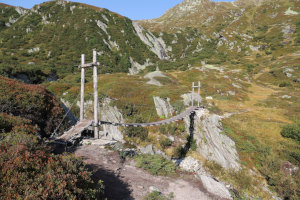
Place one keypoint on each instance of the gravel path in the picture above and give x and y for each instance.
(124, 181)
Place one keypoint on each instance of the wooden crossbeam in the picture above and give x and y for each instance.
(89, 65)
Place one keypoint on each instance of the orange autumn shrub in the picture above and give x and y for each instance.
(29, 171)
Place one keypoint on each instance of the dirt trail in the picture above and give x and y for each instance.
(124, 181)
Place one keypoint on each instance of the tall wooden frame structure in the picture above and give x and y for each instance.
(193, 92)
(83, 66)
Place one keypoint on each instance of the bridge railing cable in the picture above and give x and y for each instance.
(69, 110)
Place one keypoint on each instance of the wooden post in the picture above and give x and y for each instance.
(193, 85)
(199, 85)
(82, 88)
(95, 75)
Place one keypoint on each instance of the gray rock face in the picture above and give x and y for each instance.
(253, 48)
(287, 29)
(212, 144)
(147, 150)
(137, 67)
(189, 164)
(210, 184)
(152, 75)
(157, 45)
(36, 49)
(286, 97)
(297, 80)
(236, 86)
(101, 25)
(21, 11)
(232, 93)
(215, 187)
(163, 108)
(111, 114)
(153, 189)
(23, 77)
(288, 72)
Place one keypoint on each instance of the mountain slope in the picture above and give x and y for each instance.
(55, 33)
(239, 31)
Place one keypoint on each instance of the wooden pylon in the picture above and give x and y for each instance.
(94, 65)
(193, 92)
(95, 76)
(82, 88)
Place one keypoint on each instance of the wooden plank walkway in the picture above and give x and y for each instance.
(75, 130)
(179, 117)
(82, 125)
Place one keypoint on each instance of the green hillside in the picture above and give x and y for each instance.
(239, 33)
(50, 38)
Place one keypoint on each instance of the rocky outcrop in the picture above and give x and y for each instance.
(137, 67)
(163, 107)
(147, 150)
(290, 12)
(209, 183)
(152, 75)
(211, 142)
(189, 164)
(215, 187)
(157, 45)
(111, 114)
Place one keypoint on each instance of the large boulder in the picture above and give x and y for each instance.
(111, 114)
(212, 143)
(163, 107)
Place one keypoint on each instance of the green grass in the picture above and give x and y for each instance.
(156, 165)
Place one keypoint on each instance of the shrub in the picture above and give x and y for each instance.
(31, 102)
(155, 195)
(291, 131)
(29, 171)
(250, 67)
(137, 132)
(169, 129)
(10, 123)
(193, 144)
(156, 164)
(284, 84)
(179, 152)
(166, 142)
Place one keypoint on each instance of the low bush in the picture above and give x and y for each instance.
(179, 152)
(29, 171)
(291, 131)
(155, 195)
(137, 132)
(171, 129)
(31, 102)
(285, 84)
(156, 165)
(164, 143)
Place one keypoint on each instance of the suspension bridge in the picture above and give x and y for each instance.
(83, 124)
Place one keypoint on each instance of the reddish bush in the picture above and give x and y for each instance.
(12, 123)
(32, 102)
(28, 171)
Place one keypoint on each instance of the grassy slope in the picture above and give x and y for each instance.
(62, 33)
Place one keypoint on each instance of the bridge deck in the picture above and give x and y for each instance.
(179, 117)
(76, 130)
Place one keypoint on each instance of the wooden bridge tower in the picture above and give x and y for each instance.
(193, 92)
(83, 66)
